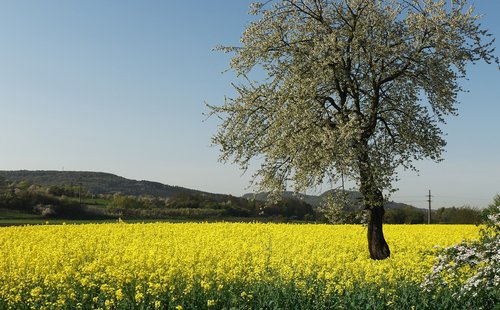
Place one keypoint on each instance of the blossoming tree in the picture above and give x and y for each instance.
(351, 87)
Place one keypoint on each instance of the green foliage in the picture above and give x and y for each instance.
(405, 215)
(206, 206)
(62, 201)
(264, 295)
(288, 208)
(3, 185)
(338, 212)
(67, 190)
(24, 198)
(23, 185)
(126, 202)
(454, 215)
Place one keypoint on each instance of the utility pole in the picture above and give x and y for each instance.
(429, 214)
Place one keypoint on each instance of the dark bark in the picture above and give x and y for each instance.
(373, 200)
(376, 242)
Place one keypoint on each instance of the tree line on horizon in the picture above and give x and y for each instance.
(76, 202)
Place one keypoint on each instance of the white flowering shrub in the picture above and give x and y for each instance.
(471, 269)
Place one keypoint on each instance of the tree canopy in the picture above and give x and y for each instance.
(352, 87)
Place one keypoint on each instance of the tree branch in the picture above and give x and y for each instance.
(332, 102)
(389, 131)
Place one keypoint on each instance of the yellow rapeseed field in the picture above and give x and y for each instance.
(101, 264)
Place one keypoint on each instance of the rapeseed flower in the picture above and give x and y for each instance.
(66, 264)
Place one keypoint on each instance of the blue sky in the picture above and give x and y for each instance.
(120, 87)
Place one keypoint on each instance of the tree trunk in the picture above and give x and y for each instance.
(374, 202)
(376, 242)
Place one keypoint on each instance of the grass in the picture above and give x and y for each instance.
(7, 214)
(43, 221)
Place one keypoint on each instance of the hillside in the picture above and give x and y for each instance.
(315, 200)
(107, 183)
(97, 182)
(57, 194)
(153, 200)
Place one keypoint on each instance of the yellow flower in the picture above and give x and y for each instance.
(105, 288)
(153, 257)
(205, 285)
(36, 292)
(179, 307)
(139, 297)
(210, 303)
(119, 294)
(108, 303)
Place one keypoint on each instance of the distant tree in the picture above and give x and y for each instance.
(125, 202)
(3, 191)
(461, 215)
(23, 185)
(69, 191)
(289, 208)
(405, 215)
(353, 87)
(4, 186)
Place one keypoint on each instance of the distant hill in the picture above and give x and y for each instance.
(315, 200)
(97, 182)
(179, 201)
(107, 183)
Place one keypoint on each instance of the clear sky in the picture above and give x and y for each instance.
(121, 86)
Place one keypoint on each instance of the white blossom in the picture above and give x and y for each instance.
(351, 87)
(479, 260)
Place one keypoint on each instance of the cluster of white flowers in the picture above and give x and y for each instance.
(494, 218)
(473, 267)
